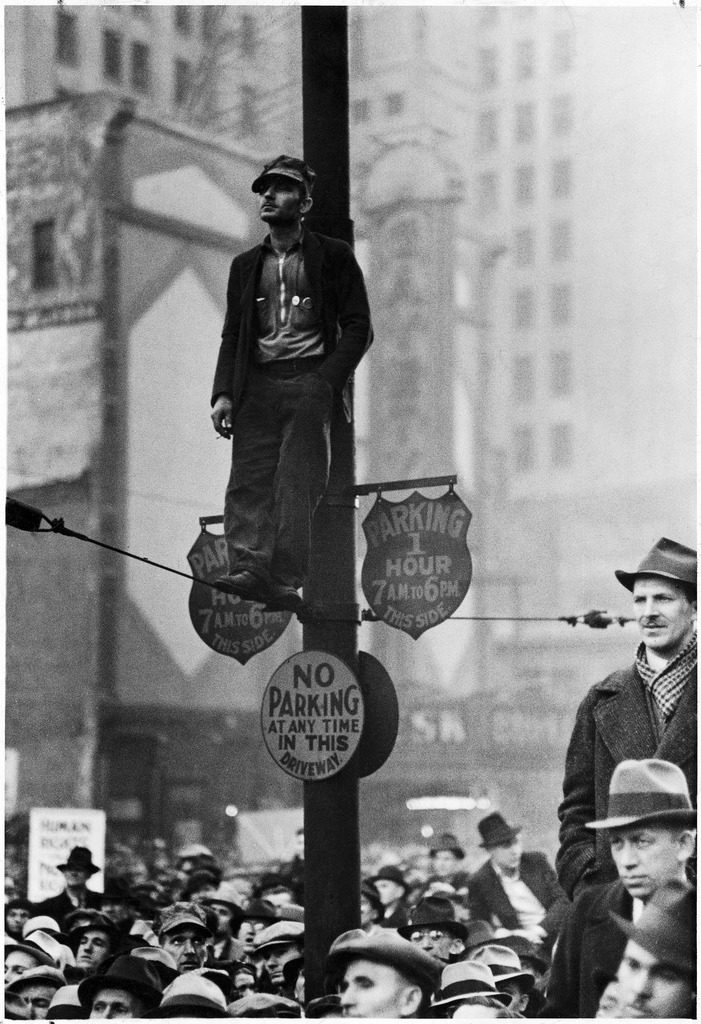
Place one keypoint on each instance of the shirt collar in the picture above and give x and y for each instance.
(267, 245)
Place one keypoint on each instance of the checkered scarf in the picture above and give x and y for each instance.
(668, 685)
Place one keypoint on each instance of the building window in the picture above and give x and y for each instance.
(560, 373)
(561, 241)
(487, 130)
(488, 191)
(561, 304)
(182, 80)
(248, 111)
(561, 445)
(525, 184)
(140, 67)
(525, 122)
(394, 104)
(183, 20)
(112, 55)
(361, 110)
(523, 380)
(44, 255)
(488, 73)
(248, 39)
(524, 449)
(66, 37)
(563, 52)
(524, 246)
(562, 178)
(524, 308)
(561, 115)
(525, 59)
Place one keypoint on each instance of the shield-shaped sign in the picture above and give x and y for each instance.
(227, 623)
(417, 567)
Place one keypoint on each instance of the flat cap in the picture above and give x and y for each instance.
(390, 949)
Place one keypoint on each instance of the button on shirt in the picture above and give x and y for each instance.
(289, 324)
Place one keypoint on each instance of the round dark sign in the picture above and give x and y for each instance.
(417, 567)
(228, 624)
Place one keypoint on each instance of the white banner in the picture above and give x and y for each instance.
(53, 832)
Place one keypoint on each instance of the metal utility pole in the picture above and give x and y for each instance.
(331, 806)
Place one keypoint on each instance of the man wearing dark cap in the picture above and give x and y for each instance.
(76, 870)
(646, 710)
(657, 973)
(128, 988)
(382, 975)
(392, 887)
(434, 928)
(297, 324)
(182, 931)
(651, 828)
(517, 892)
(278, 944)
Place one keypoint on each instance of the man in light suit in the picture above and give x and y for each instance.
(517, 892)
(647, 710)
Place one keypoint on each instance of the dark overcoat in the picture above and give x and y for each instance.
(487, 900)
(589, 939)
(336, 288)
(613, 724)
(59, 906)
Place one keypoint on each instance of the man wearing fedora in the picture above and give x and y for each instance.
(657, 973)
(392, 887)
(382, 975)
(509, 975)
(76, 871)
(127, 989)
(517, 892)
(297, 324)
(224, 903)
(468, 989)
(646, 710)
(651, 829)
(447, 856)
(434, 928)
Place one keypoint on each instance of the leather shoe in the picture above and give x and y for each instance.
(283, 598)
(244, 584)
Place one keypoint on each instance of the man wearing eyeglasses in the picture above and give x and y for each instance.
(433, 928)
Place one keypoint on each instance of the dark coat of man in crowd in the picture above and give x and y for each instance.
(620, 719)
(76, 871)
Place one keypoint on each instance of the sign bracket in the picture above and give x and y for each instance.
(394, 485)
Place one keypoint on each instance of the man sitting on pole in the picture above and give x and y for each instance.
(297, 325)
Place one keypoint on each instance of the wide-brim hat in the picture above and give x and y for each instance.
(46, 924)
(160, 959)
(447, 841)
(666, 558)
(667, 927)
(318, 1007)
(504, 964)
(42, 956)
(468, 978)
(259, 910)
(434, 912)
(495, 831)
(527, 951)
(80, 858)
(47, 975)
(191, 995)
(386, 948)
(286, 167)
(227, 895)
(647, 790)
(390, 873)
(478, 933)
(100, 923)
(126, 972)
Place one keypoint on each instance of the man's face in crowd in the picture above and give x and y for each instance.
(647, 856)
(37, 996)
(508, 856)
(75, 878)
(275, 958)
(389, 891)
(93, 948)
(282, 202)
(15, 919)
(247, 933)
(664, 614)
(368, 912)
(116, 910)
(16, 963)
(224, 915)
(111, 1003)
(651, 989)
(611, 1002)
(519, 998)
(187, 945)
(244, 983)
(437, 942)
(444, 863)
(377, 990)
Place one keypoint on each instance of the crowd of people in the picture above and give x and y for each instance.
(610, 931)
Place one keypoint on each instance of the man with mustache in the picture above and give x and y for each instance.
(647, 710)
